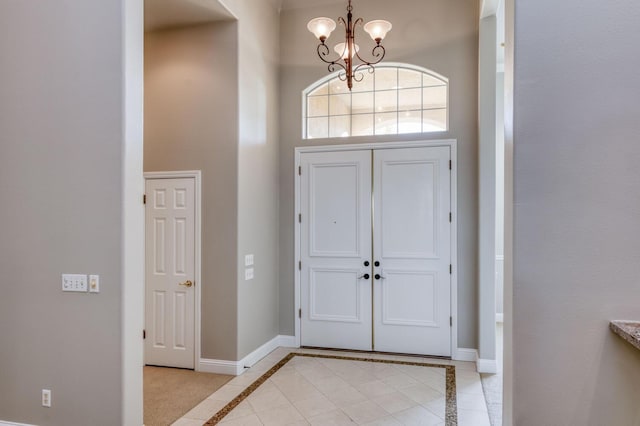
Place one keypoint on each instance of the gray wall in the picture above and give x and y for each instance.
(487, 189)
(507, 364)
(258, 190)
(441, 35)
(191, 116)
(577, 209)
(211, 104)
(500, 163)
(61, 139)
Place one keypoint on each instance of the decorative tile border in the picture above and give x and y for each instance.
(451, 409)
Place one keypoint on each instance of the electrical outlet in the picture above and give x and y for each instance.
(248, 274)
(248, 260)
(94, 283)
(46, 398)
(74, 282)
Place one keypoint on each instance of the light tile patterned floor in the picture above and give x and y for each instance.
(320, 391)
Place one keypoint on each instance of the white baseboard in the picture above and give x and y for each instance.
(499, 317)
(464, 354)
(236, 368)
(260, 353)
(489, 366)
(219, 366)
(482, 365)
(287, 341)
(5, 423)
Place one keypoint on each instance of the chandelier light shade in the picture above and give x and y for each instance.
(377, 29)
(321, 27)
(342, 50)
(348, 51)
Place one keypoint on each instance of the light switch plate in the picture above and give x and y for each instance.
(248, 260)
(74, 283)
(46, 397)
(248, 274)
(94, 283)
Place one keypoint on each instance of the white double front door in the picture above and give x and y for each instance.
(376, 250)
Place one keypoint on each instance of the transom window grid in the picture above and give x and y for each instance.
(393, 100)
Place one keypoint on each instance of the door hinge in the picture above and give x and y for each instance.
(299, 170)
(450, 165)
(450, 269)
(144, 334)
(144, 199)
(299, 313)
(450, 217)
(300, 265)
(300, 217)
(450, 321)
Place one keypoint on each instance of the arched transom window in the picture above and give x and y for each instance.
(395, 99)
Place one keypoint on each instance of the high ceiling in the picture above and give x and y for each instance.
(299, 4)
(160, 14)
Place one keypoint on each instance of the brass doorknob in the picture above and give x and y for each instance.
(187, 284)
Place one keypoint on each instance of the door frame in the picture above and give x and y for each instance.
(452, 145)
(196, 175)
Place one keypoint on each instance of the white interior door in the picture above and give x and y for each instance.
(412, 248)
(170, 268)
(335, 244)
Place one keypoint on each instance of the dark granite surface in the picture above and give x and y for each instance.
(628, 330)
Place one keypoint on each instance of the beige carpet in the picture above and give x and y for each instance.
(169, 393)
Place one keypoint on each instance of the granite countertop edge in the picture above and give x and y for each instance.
(628, 330)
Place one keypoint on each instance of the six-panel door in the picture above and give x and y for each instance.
(170, 265)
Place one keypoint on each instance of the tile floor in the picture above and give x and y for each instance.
(492, 383)
(319, 391)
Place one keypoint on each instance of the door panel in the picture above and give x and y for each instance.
(408, 209)
(398, 309)
(157, 332)
(335, 242)
(334, 295)
(170, 261)
(412, 243)
(334, 210)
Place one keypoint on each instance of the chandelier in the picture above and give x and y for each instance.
(348, 51)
